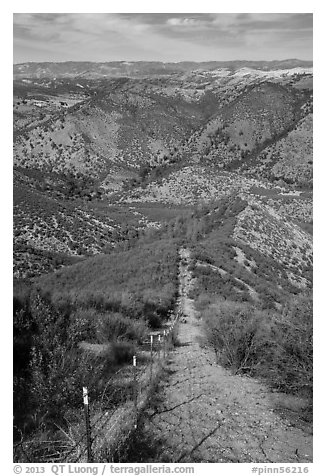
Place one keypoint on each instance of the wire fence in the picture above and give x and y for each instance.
(108, 423)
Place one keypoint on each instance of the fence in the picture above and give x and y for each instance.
(108, 423)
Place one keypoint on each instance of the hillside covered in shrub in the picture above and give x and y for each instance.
(78, 325)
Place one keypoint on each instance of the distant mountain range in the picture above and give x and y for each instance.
(88, 69)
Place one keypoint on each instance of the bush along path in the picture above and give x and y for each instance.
(202, 413)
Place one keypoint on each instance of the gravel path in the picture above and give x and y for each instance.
(203, 413)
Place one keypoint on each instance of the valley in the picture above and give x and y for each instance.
(178, 137)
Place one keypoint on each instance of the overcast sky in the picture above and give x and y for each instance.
(161, 36)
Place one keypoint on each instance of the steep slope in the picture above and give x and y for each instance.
(50, 232)
(85, 144)
(275, 237)
(244, 250)
(140, 283)
(264, 115)
(107, 137)
(290, 159)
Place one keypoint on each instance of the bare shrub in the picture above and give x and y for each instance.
(294, 333)
(122, 352)
(237, 334)
(113, 326)
(276, 347)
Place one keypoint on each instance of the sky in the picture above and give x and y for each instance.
(161, 36)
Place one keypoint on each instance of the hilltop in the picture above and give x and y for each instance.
(89, 69)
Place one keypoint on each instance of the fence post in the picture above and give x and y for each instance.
(173, 334)
(170, 337)
(151, 371)
(88, 426)
(134, 363)
(159, 347)
(164, 343)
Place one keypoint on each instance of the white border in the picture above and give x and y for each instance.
(319, 172)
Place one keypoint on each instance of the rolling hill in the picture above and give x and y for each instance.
(140, 68)
(88, 146)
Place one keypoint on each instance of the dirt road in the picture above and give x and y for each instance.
(203, 413)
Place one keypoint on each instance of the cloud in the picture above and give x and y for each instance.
(184, 22)
(160, 36)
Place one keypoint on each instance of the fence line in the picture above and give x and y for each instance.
(107, 429)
